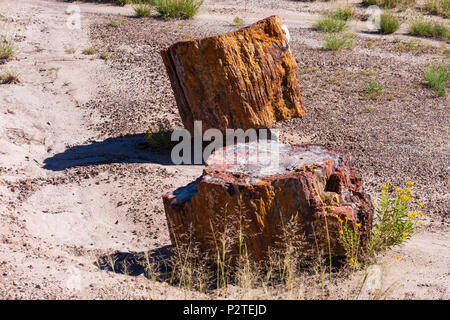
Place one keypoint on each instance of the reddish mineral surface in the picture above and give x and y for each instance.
(258, 189)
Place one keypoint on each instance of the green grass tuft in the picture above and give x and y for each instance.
(336, 42)
(388, 23)
(7, 50)
(437, 78)
(185, 9)
(438, 7)
(329, 24)
(343, 13)
(422, 27)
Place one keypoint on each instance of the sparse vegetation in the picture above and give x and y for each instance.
(343, 13)
(7, 50)
(337, 42)
(373, 89)
(390, 4)
(422, 27)
(388, 23)
(116, 23)
(142, 9)
(438, 7)
(238, 22)
(329, 24)
(438, 77)
(89, 51)
(177, 8)
(159, 135)
(394, 223)
(9, 77)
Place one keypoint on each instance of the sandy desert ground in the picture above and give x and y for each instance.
(73, 186)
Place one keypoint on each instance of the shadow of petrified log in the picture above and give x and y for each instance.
(251, 192)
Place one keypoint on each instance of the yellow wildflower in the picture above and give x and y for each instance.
(409, 183)
(404, 197)
(341, 231)
(410, 198)
(421, 213)
(414, 213)
(358, 225)
(385, 187)
(420, 204)
(398, 190)
(398, 257)
(408, 190)
(410, 216)
(352, 260)
(346, 218)
(405, 234)
(340, 220)
(421, 223)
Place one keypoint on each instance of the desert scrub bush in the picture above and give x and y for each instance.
(159, 135)
(438, 7)
(336, 42)
(89, 51)
(422, 27)
(142, 9)
(373, 89)
(329, 24)
(343, 13)
(238, 22)
(394, 223)
(9, 77)
(437, 78)
(390, 4)
(388, 23)
(177, 8)
(7, 50)
(116, 23)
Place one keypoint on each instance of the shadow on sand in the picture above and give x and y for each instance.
(121, 149)
(136, 263)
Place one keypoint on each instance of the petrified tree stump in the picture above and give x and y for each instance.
(243, 79)
(245, 196)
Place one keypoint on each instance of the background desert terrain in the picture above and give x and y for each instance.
(73, 186)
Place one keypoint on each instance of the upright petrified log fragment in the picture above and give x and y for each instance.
(255, 191)
(243, 79)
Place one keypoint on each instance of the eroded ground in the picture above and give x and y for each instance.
(73, 186)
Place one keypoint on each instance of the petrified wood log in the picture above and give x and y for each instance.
(243, 79)
(242, 193)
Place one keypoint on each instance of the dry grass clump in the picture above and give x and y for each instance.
(9, 77)
(438, 7)
(142, 9)
(159, 135)
(390, 4)
(426, 28)
(7, 50)
(336, 42)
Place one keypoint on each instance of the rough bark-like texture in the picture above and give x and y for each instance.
(243, 79)
(311, 185)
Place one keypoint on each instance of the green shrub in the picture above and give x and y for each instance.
(390, 4)
(7, 50)
(336, 42)
(394, 223)
(142, 9)
(437, 78)
(438, 7)
(421, 27)
(343, 13)
(329, 24)
(177, 8)
(238, 22)
(159, 135)
(388, 23)
(89, 51)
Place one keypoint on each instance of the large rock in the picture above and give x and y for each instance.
(243, 79)
(241, 192)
